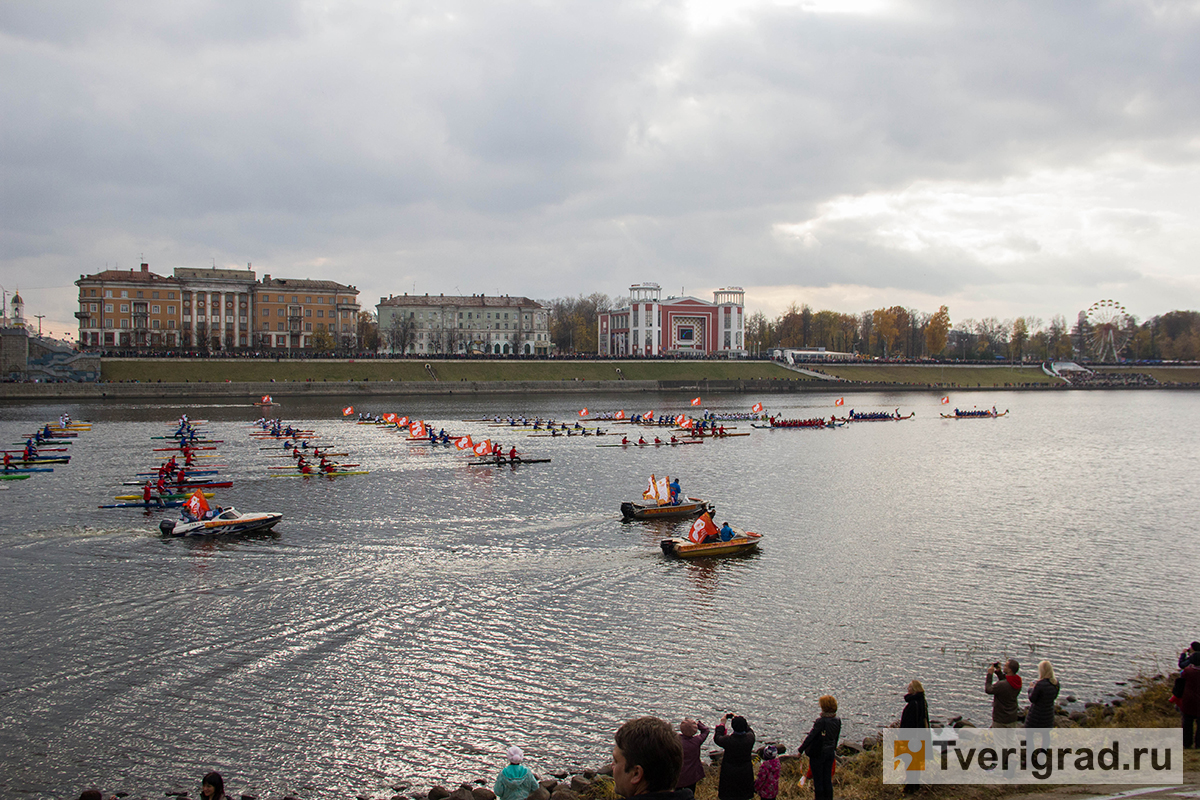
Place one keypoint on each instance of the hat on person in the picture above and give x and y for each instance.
(769, 752)
(515, 756)
(740, 725)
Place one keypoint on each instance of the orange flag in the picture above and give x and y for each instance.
(841, 401)
(619, 415)
(945, 401)
(703, 527)
(196, 505)
(417, 430)
(649, 414)
(483, 448)
(680, 420)
(347, 411)
(402, 421)
(583, 412)
(266, 398)
(696, 402)
(464, 443)
(757, 407)
(389, 417)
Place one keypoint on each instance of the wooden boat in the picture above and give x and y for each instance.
(811, 426)
(983, 415)
(689, 507)
(884, 418)
(505, 461)
(679, 547)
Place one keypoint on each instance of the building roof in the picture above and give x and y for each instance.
(304, 283)
(126, 276)
(459, 301)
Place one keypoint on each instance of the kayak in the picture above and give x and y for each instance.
(506, 462)
(161, 496)
(201, 484)
(193, 472)
(152, 504)
(30, 469)
(12, 477)
(323, 474)
(176, 449)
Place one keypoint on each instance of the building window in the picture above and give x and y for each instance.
(155, 309)
(108, 292)
(154, 324)
(308, 312)
(108, 323)
(139, 294)
(93, 307)
(308, 326)
(124, 323)
(124, 293)
(170, 309)
(279, 326)
(170, 295)
(124, 308)
(280, 313)
(308, 299)
(320, 311)
(92, 293)
(171, 324)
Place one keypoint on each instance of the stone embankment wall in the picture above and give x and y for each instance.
(352, 389)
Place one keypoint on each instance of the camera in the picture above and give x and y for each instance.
(996, 666)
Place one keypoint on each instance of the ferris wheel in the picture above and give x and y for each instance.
(1108, 331)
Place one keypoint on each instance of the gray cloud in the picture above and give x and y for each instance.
(575, 147)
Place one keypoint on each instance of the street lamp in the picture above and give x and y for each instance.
(39, 319)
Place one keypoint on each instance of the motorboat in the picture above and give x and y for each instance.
(228, 521)
(742, 542)
(687, 507)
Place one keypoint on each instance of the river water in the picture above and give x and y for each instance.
(404, 627)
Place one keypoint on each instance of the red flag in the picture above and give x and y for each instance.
(402, 422)
(841, 401)
(648, 415)
(483, 448)
(945, 401)
(703, 527)
(266, 398)
(757, 407)
(688, 423)
(389, 417)
(696, 402)
(583, 412)
(417, 430)
(680, 420)
(196, 505)
(347, 411)
(464, 443)
(619, 415)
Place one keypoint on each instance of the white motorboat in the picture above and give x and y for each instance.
(229, 521)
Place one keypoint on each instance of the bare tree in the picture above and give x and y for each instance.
(401, 333)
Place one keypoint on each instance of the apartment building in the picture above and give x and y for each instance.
(449, 324)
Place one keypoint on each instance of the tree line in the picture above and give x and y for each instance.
(894, 332)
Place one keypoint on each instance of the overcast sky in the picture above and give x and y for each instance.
(1004, 159)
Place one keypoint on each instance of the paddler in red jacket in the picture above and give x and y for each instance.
(7, 462)
(512, 455)
(181, 478)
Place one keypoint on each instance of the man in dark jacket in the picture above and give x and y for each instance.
(1004, 694)
(1191, 705)
(1190, 656)
(647, 758)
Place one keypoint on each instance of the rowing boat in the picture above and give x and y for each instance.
(30, 469)
(4, 477)
(508, 461)
(983, 415)
(186, 484)
(651, 444)
(322, 474)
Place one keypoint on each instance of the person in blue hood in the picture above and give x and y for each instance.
(515, 782)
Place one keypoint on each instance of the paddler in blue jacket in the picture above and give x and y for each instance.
(674, 486)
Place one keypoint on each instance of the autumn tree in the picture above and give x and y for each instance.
(758, 332)
(936, 331)
(368, 331)
(886, 324)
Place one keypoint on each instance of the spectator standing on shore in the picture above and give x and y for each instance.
(212, 787)
(1190, 656)
(766, 783)
(1191, 705)
(914, 715)
(1004, 693)
(821, 747)
(647, 758)
(1042, 695)
(515, 781)
(692, 735)
(737, 770)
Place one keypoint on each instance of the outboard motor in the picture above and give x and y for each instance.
(167, 526)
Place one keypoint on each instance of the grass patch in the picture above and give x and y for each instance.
(242, 370)
(941, 376)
